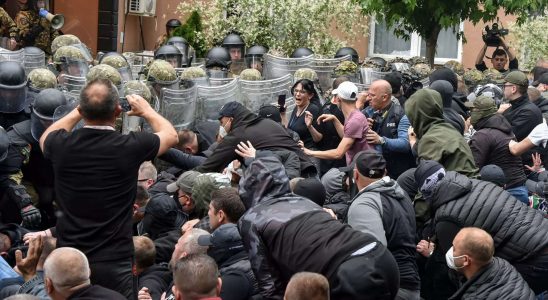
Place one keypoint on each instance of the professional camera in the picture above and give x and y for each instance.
(492, 36)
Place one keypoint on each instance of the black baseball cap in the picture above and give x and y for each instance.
(270, 112)
(225, 237)
(229, 109)
(370, 163)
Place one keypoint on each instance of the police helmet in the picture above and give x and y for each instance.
(218, 57)
(301, 52)
(344, 51)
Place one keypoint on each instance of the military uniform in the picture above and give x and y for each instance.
(7, 26)
(35, 31)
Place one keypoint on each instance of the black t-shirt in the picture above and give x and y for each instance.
(297, 124)
(512, 65)
(95, 181)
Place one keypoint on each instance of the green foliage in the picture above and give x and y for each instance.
(529, 39)
(190, 31)
(280, 25)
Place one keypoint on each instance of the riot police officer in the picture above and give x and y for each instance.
(171, 54)
(13, 93)
(34, 30)
(218, 62)
(119, 62)
(184, 48)
(170, 27)
(301, 52)
(69, 60)
(344, 51)
(254, 57)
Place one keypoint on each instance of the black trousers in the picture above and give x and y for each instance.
(115, 275)
(373, 275)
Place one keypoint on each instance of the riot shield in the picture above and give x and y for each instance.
(212, 98)
(198, 62)
(425, 82)
(237, 66)
(34, 61)
(219, 81)
(362, 87)
(72, 84)
(17, 56)
(276, 67)
(179, 106)
(63, 110)
(324, 67)
(369, 75)
(256, 93)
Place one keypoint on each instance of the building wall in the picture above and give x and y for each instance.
(81, 19)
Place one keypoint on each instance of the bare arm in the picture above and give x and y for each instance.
(308, 119)
(161, 127)
(332, 118)
(511, 54)
(519, 148)
(481, 54)
(337, 153)
(67, 123)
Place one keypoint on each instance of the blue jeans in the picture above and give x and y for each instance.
(521, 193)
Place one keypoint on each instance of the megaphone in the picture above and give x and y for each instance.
(56, 21)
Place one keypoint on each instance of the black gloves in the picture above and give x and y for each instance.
(31, 217)
(30, 214)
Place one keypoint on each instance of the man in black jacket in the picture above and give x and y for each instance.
(489, 145)
(487, 277)
(285, 234)
(238, 124)
(457, 201)
(449, 114)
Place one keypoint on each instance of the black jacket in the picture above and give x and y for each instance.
(156, 278)
(489, 145)
(542, 104)
(264, 134)
(519, 232)
(523, 116)
(15, 233)
(285, 234)
(239, 282)
(497, 280)
(453, 118)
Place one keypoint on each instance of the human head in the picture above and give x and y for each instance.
(270, 112)
(196, 277)
(499, 59)
(226, 116)
(235, 46)
(188, 141)
(303, 91)
(171, 25)
(104, 71)
(368, 166)
(99, 102)
(427, 177)
(310, 188)
(147, 175)
(183, 188)
(493, 174)
(515, 85)
(224, 243)
(139, 205)
(65, 269)
(307, 286)
(445, 74)
(41, 78)
(543, 82)
(187, 245)
(345, 95)
(145, 253)
(202, 189)
(225, 207)
(395, 80)
(472, 249)
(482, 107)
(445, 89)
(379, 94)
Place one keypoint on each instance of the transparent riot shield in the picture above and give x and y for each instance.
(17, 56)
(179, 106)
(362, 87)
(369, 75)
(324, 67)
(276, 67)
(212, 98)
(262, 92)
(237, 66)
(126, 73)
(63, 110)
(34, 61)
(198, 62)
(136, 70)
(72, 84)
(219, 81)
(85, 51)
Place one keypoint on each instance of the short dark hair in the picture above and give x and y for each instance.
(195, 276)
(522, 89)
(499, 52)
(307, 85)
(185, 136)
(145, 251)
(228, 200)
(98, 107)
(142, 196)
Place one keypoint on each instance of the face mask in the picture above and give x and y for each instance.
(450, 259)
(222, 131)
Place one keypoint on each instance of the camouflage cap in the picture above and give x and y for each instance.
(455, 66)
(161, 70)
(492, 75)
(421, 70)
(193, 72)
(139, 88)
(103, 71)
(250, 74)
(42, 79)
(418, 60)
(473, 77)
(63, 40)
(203, 186)
(115, 61)
(373, 62)
(346, 67)
(306, 73)
(67, 52)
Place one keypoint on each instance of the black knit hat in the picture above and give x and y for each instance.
(312, 189)
(428, 174)
(494, 174)
(445, 74)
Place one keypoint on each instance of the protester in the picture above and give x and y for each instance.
(196, 277)
(307, 286)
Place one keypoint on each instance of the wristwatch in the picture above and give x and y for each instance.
(382, 140)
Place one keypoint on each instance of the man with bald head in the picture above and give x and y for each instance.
(66, 275)
(388, 128)
(487, 277)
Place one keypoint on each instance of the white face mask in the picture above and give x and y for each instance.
(222, 131)
(450, 259)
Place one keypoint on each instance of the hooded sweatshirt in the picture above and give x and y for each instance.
(438, 140)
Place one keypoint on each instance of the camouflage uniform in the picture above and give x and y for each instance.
(64, 40)
(193, 72)
(492, 75)
(103, 71)
(250, 74)
(455, 66)
(67, 52)
(7, 26)
(115, 61)
(40, 79)
(35, 31)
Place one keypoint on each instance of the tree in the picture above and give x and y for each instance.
(530, 41)
(429, 17)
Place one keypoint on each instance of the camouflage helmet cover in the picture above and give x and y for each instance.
(250, 74)
(193, 72)
(103, 71)
(306, 73)
(422, 70)
(455, 66)
(139, 88)
(493, 75)
(67, 52)
(346, 67)
(64, 40)
(162, 71)
(473, 77)
(42, 79)
(115, 61)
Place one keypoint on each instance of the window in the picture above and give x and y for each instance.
(384, 43)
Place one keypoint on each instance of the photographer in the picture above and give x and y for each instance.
(499, 58)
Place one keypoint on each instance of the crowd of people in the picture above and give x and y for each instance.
(420, 189)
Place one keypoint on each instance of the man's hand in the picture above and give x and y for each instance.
(327, 118)
(188, 225)
(425, 248)
(139, 106)
(503, 107)
(31, 216)
(27, 265)
(330, 212)
(372, 137)
(246, 151)
(32, 235)
(12, 44)
(144, 294)
(537, 163)
(412, 136)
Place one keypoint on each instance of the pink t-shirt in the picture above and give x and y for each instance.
(356, 126)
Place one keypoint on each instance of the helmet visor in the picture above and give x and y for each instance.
(13, 98)
(74, 67)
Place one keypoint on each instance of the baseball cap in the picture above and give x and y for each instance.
(225, 237)
(229, 109)
(517, 78)
(369, 163)
(270, 112)
(482, 103)
(347, 91)
(185, 182)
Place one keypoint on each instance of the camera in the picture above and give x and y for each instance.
(492, 35)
